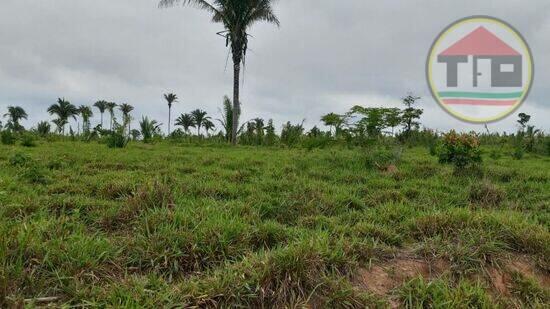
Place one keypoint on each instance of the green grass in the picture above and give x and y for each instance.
(176, 225)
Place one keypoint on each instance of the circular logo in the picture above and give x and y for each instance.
(480, 69)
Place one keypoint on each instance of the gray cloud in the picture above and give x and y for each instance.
(327, 56)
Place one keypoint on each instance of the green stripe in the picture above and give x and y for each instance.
(480, 95)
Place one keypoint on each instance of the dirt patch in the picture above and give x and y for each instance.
(381, 279)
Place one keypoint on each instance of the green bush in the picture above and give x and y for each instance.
(7, 137)
(27, 140)
(34, 174)
(19, 159)
(382, 157)
(460, 150)
(116, 140)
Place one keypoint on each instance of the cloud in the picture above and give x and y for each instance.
(327, 56)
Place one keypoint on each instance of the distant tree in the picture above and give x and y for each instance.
(259, 130)
(270, 136)
(410, 115)
(86, 113)
(110, 106)
(291, 134)
(314, 132)
(126, 109)
(373, 121)
(392, 118)
(237, 17)
(15, 114)
(102, 106)
(523, 119)
(170, 98)
(199, 116)
(64, 110)
(333, 120)
(227, 116)
(135, 134)
(186, 121)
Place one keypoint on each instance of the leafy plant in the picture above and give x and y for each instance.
(7, 137)
(28, 140)
(149, 128)
(20, 159)
(382, 157)
(291, 134)
(460, 150)
(43, 128)
(117, 139)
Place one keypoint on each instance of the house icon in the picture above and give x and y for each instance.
(506, 63)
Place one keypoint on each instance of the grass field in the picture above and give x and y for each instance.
(178, 225)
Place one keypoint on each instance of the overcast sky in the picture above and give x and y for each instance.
(327, 56)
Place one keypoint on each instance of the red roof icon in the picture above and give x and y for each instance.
(480, 42)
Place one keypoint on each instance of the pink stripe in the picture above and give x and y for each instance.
(480, 102)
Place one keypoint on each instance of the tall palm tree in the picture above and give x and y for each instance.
(86, 113)
(15, 114)
(102, 106)
(186, 121)
(126, 109)
(170, 98)
(237, 16)
(110, 106)
(64, 110)
(199, 116)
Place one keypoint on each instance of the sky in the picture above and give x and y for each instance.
(327, 56)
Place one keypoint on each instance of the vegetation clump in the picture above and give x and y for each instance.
(486, 194)
(461, 150)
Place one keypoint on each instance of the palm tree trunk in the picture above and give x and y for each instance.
(236, 79)
(102, 121)
(169, 116)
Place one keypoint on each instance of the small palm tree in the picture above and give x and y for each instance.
(208, 126)
(64, 110)
(102, 106)
(148, 128)
(199, 116)
(43, 128)
(227, 116)
(86, 113)
(170, 98)
(60, 124)
(186, 121)
(110, 106)
(15, 114)
(126, 109)
(237, 16)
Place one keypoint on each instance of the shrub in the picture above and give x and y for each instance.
(27, 140)
(34, 174)
(381, 158)
(461, 150)
(19, 159)
(495, 154)
(518, 153)
(486, 194)
(43, 128)
(116, 139)
(7, 137)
